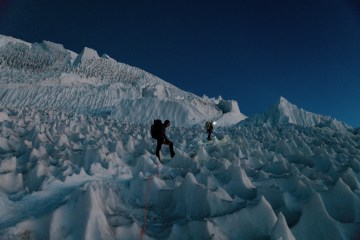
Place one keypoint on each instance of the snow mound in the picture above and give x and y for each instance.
(87, 54)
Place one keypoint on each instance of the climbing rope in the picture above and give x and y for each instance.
(146, 207)
(147, 203)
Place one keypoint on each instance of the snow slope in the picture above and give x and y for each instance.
(45, 75)
(68, 172)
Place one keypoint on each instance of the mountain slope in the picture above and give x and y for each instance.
(45, 75)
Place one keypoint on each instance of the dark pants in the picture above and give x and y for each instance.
(160, 142)
(209, 135)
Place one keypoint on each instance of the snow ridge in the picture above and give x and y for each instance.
(47, 75)
(287, 113)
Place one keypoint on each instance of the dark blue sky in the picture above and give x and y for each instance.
(253, 51)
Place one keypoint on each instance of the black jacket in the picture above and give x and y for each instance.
(163, 134)
(210, 128)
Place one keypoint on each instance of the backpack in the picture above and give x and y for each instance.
(156, 128)
(207, 125)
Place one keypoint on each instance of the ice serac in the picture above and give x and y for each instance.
(240, 184)
(87, 54)
(287, 113)
(281, 229)
(91, 84)
(343, 209)
(249, 223)
(231, 113)
(315, 222)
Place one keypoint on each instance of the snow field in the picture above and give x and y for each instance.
(73, 176)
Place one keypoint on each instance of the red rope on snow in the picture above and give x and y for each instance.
(146, 207)
(147, 203)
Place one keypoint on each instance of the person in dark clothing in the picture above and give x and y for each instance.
(210, 130)
(163, 139)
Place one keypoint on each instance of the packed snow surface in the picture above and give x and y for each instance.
(73, 166)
